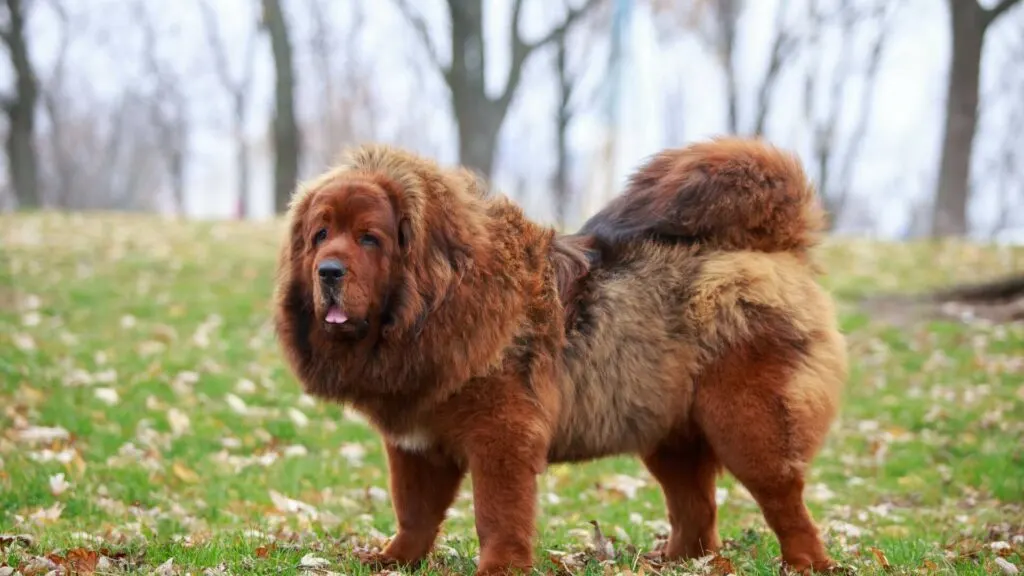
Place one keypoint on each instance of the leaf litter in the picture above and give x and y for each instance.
(239, 420)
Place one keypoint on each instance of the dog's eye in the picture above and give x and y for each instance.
(369, 240)
(320, 236)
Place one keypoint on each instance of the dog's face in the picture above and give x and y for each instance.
(348, 238)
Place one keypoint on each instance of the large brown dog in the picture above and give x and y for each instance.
(683, 324)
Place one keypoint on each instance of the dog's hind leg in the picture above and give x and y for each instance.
(765, 412)
(686, 472)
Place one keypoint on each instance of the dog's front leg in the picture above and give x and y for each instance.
(504, 463)
(423, 486)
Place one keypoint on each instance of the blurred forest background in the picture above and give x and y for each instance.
(909, 114)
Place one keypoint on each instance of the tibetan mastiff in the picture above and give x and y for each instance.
(683, 323)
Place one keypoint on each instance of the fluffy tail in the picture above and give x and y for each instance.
(725, 194)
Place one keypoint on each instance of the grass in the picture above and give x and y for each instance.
(146, 416)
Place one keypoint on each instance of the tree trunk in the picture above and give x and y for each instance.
(21, 152)
(728, 15)
(478, 141)
(178, 181)
(479, 117)
(562, 127)
(949, 213)
(286, 130)
(242, 166)
(242, 177)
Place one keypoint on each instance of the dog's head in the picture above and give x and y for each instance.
(374, 247)
(347, 240)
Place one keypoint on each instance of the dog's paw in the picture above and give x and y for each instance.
(375, 560)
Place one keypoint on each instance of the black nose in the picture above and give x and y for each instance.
(331, 270)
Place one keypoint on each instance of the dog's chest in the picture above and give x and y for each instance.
(414, 441)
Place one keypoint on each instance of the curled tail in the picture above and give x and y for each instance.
(725, 194)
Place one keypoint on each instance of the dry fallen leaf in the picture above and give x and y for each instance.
(178, 421)
(38, 566)
(353, 452)
(1001, 548)
(1006, 566)
(245, 386)
(184, 473)
(24, 342)
(880, 558)
(21, 539)
(291, 506)
(43, 434)
(236, 404)
(58, 485)
(165, 569)
(298, 418)
(625, 485)
(310, 561)
(49, 515)
(721, 566)
(77, 561)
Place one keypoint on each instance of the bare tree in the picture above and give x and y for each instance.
(286, 130)
(238, 90)
(834, 160)
(342, 86)
(727, 16)
(53, 91)
(168, 109)
(478, 115)
(110, 150)
(716, 22)
(1008, 163)
(562, 117)
(20, 108)
(969, 21)
(569, 80)
(782, 47)
(323, 50)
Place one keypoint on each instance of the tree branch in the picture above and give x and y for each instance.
(992, 14)
(521, 49)
(560, 30)
(856, 140)
(782, 46)
(217, 47)
(420, 26)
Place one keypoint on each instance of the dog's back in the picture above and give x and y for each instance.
(705, 254)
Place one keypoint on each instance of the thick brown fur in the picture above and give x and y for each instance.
(682, 324)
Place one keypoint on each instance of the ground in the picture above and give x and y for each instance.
(148, 425)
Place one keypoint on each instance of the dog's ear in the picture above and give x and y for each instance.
(296, 219)
(293, 245)
(404, 301)
(427, 263)
(404, 234)
(292, 314)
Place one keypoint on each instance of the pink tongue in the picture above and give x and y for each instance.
(335, 316)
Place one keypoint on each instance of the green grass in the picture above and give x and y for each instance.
(147, 344)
